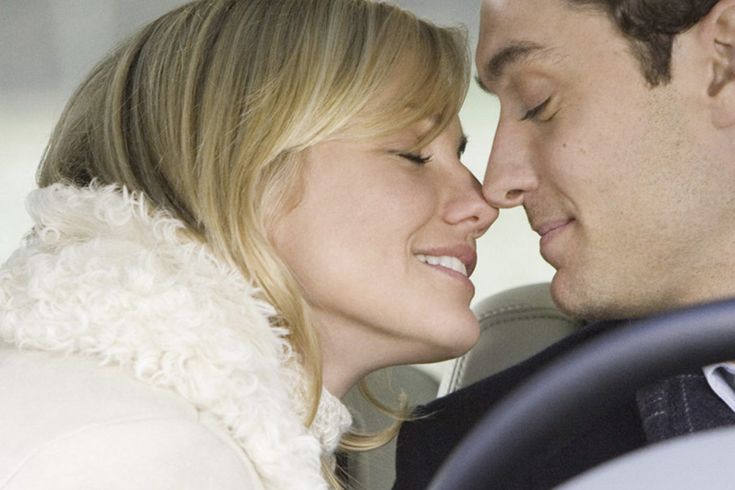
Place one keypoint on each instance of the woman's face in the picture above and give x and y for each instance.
(382, 243)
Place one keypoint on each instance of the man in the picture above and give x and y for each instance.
(617, 136)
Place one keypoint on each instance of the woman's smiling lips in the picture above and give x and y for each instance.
(458, 261)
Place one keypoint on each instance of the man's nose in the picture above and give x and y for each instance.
(510, 174)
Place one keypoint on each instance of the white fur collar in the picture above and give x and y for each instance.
(105, 276)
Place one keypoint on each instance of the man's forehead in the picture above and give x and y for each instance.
(518, 31)
(502, 20)
(544, 21)
(506, 22)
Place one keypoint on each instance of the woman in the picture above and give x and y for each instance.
(243, 210)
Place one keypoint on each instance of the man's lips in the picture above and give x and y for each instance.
(549, 226)
(550, 229)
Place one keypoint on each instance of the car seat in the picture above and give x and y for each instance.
(514, 324)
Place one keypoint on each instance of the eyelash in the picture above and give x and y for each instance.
(462, 147)
(419, 159)
(533, 113)
(415, 158)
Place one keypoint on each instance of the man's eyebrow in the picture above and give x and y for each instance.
(514, 52)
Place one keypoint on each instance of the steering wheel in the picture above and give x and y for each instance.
(560, 396)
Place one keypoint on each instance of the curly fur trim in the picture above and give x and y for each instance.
(105, 275)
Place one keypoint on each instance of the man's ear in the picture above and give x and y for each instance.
(722, 83)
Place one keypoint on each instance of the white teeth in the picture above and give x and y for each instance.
(452, 263)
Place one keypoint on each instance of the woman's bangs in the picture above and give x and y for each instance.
(432, 76)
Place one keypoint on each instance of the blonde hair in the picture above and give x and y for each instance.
(207, 109)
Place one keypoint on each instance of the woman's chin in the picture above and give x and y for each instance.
(455, 342)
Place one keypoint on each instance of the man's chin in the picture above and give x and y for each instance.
(576, 298)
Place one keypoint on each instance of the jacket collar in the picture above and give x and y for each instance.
(105, 275)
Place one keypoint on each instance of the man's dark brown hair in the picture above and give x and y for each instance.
(651, 26)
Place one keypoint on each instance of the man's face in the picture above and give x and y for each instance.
(618, 178)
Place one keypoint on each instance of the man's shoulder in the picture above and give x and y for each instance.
(495, 386)
(425, 442)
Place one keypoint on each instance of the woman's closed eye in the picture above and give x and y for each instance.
(415, 157)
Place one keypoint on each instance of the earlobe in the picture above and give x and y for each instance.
(722, 84)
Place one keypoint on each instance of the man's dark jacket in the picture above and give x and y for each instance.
(671, 407)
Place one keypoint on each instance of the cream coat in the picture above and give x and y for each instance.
(130, 357)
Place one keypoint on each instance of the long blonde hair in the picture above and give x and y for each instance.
(207, 109)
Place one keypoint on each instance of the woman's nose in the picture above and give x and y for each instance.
(468, 206)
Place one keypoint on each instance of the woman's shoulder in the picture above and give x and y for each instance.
(69, 419)
(56, 389)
